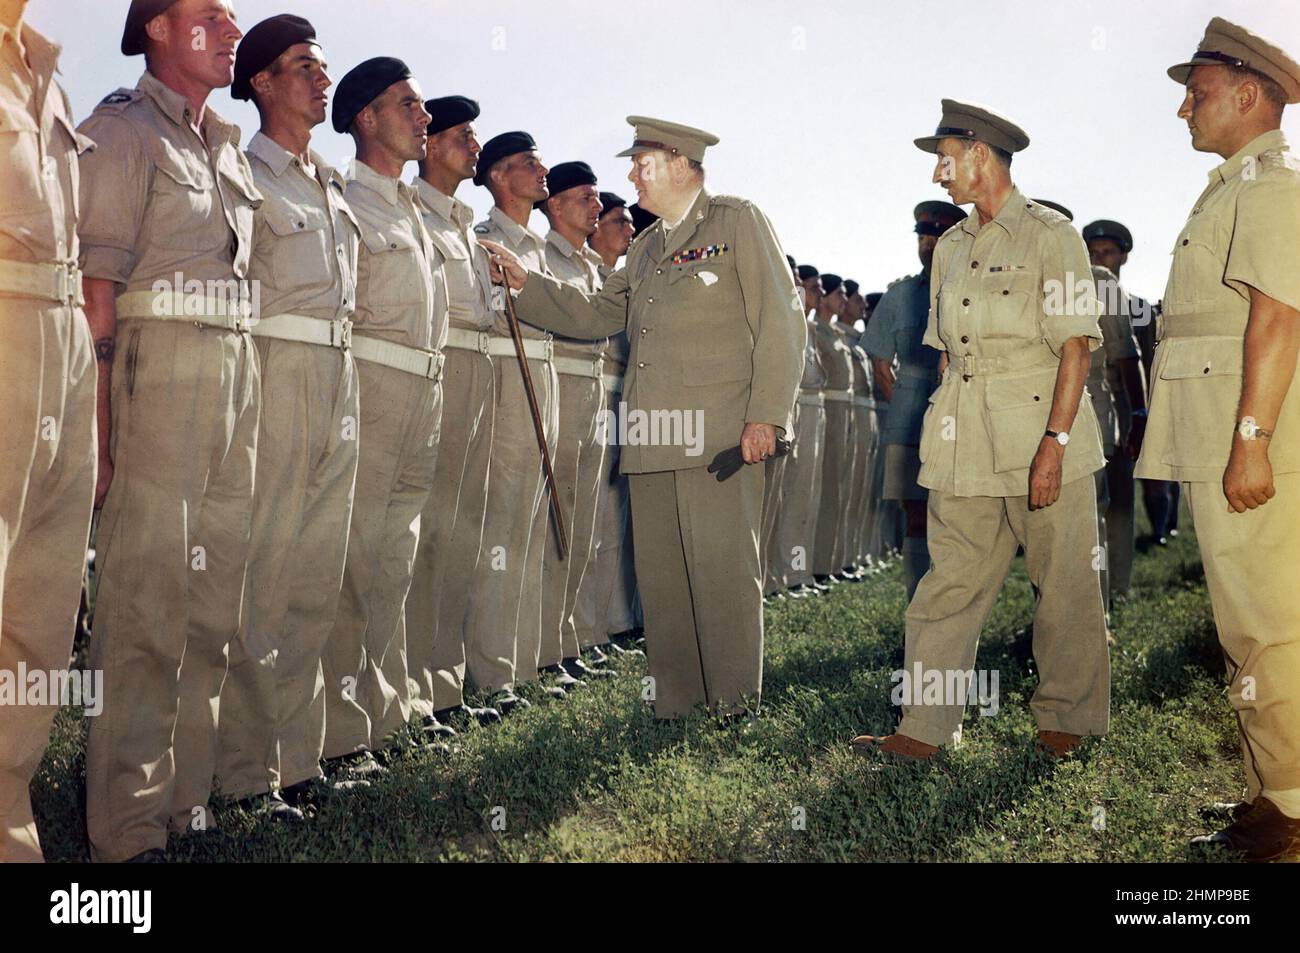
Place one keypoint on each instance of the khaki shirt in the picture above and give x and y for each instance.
(305, 238)
(531, 250)
(450, 224)
(715, 327)
(579, 267)
(1243, 233)
(401, 286)
(861, 362)
(39, 174)
(895, 331)
(835, 356)
(1004, 299)
(1118, 344)
(814, 375)
(156, 199)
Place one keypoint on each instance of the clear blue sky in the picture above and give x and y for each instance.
(816, 102)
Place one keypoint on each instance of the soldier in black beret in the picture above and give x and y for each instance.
(504, 146)
(263, 45)
(614, 232)
(364, 83)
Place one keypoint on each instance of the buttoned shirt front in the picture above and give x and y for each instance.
(1243, 232)
(156, 199)
(450, 224)
(401, 286)
(895, 333)
(528, 246)
(1004, 299)
(305, 237)
(39, 173)
(579, 267)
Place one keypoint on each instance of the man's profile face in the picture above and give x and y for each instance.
(297, 82)
(400, 122)
(955, 170)
(198, 38)
(651, 176)
(1107, 253)
(614, 231)
(812, 290)
(834, 302)
(456, 150)
(577, 208)
(1210, 108)
(523, 175)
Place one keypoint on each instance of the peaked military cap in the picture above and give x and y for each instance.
(262, 46)
(501, 147)
(448, 111)
(973, 121)
(1105, 228)
(935, 218)
(1057, 206)
(362, 86)
(671, 137)
(565, 176)
(1226, 44)
(137, 18)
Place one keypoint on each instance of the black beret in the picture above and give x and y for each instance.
(806, 272)
(1056, 207)
(610, 201)
(501, 147)
(1105, 228)
(448, 111)
(850, 287)
(362, 86)
(873, 299)
(141, 12)
(641, 219)
(262, 46)
(790, 259)
(565, 176)
(830, 282)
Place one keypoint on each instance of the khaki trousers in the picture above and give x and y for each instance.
(972, 542)
(172, 545)
(801, 500)
(701, 587)
(451, 529)
(607, 595)
(47, 489)
(504, 582)
(836, 472)
(579, 463)
(1120, 522)
(366, 690)
(864, 471)
(1252, 568)
(273, 703)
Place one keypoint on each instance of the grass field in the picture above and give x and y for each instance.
(595, 778)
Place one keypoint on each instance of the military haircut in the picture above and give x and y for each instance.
(1270, 89)
(998, 153)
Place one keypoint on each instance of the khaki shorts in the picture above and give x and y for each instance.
(902, 467)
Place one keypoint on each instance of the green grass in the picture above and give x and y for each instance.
(594, 778)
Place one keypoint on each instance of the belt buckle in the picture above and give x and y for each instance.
(967, 365)
(435, 366)
(548, 350)
(484, 343)
(344, 334)
(66, 284)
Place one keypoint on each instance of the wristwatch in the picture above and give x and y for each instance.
(1062, 437)
(1250, 430)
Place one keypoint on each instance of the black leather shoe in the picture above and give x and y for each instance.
(274, 806)
(562, 677)
(555, 691)
(347, 767)
(595, 656)
(433, 728)
(507, 702)
(464, 714)
(624, 645)
(314, 790)
(154, 855)
(581, 670)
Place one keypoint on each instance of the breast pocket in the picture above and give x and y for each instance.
(20, 160)
(182, 194)
(1010, 305)
(302, 246)
(1201, 378)
(1196, 275)
(394, 266)
(1018, 408)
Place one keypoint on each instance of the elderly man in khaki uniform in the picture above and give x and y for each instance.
(398, 334)
(837, 459)
(717, 341)
(573, 209)
(797, 524)
(1225, 410)
(305, 242)
(504, 631)
(166, 235)
(1008, 449)
(451, 526)
(47, 385)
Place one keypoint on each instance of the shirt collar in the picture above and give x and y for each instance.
(1009, 217)
(690, 207)
(388, 188)
(514, 231)
(1270, 141)
(177, 108)
(42, 53)
(562, 244)
(277, 158)
(446, 206)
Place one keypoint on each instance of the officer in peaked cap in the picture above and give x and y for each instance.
(708, 301)
(1225, 409)
(1008, 447)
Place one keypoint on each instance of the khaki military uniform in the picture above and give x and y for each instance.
(398, 334)
(579, 458)
(992, 309)
(451, 526)
(504, 631)
(837, 462)
(607, 598)
(47, 385)
(159, 202)
(305, 241)
(1120, 488)
(797, 525)
(1243, 233)
(866, 435)
(709, 308)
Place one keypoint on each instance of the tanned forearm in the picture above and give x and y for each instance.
(1070, 378)
(1268, 358)
(101, 315)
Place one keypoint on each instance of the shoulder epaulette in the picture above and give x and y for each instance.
(118, 100)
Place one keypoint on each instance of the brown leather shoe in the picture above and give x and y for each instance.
(895, 746)
(1058, 743)
(1262, 834)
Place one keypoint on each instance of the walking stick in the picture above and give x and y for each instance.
(538, 426)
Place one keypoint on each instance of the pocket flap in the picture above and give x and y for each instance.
(1190, 360)
(1023, 390)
